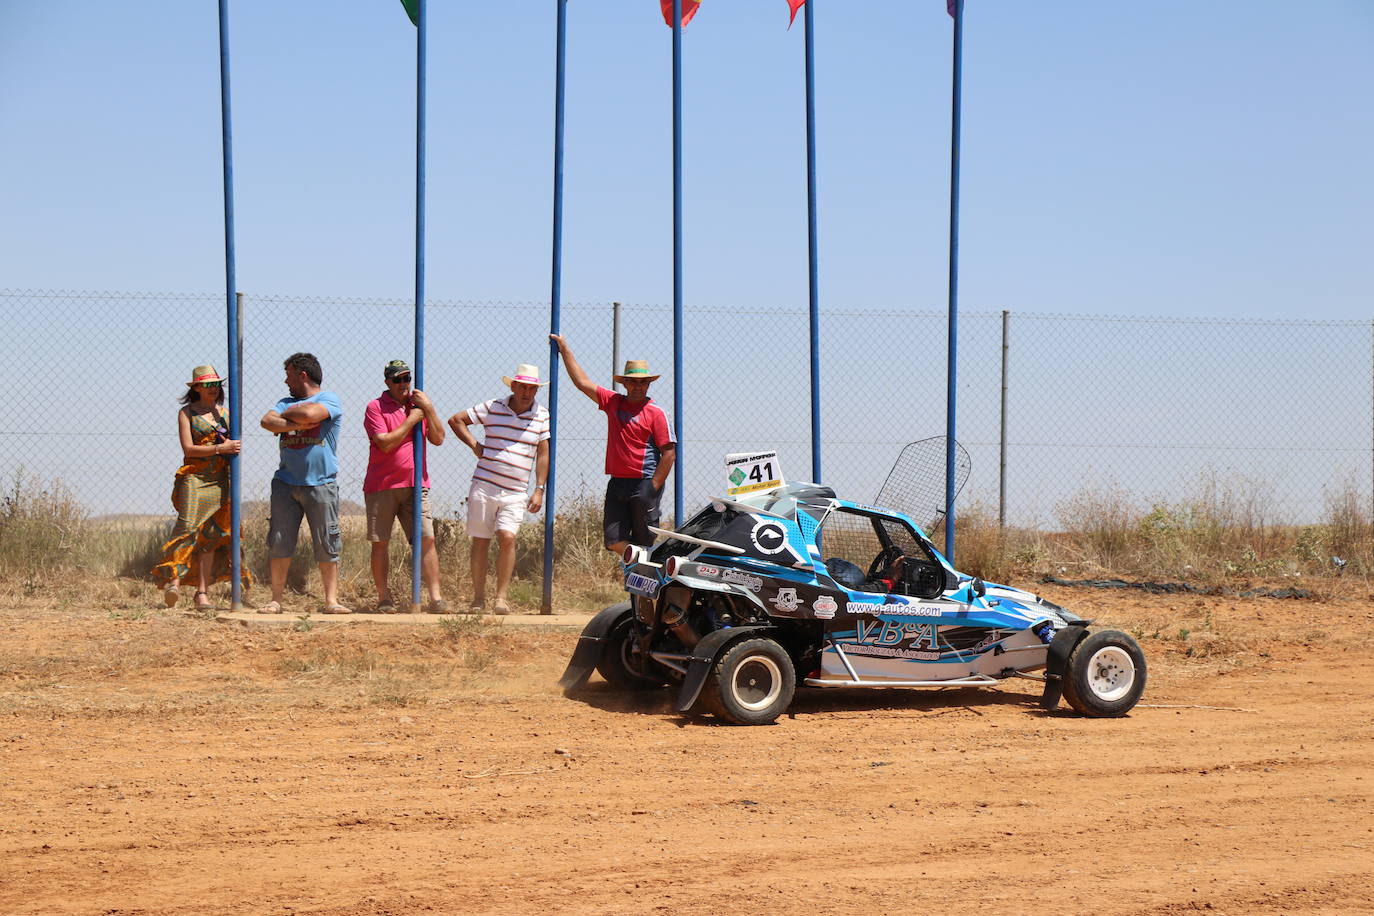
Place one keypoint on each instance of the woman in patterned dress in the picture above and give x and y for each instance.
(198, 548)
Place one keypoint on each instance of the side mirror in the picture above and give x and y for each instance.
(978, 587)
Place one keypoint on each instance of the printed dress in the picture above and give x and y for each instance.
(201, 498)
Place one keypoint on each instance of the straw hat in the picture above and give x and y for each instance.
(525, 374)
(202, 374)
(636, 370)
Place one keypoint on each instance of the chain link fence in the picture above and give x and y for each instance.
(1141, 406)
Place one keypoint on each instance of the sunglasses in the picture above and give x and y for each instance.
(401, 379)
(210, 384)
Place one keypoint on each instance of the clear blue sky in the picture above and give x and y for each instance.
(1173, 157)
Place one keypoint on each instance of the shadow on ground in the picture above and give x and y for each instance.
(814, 701)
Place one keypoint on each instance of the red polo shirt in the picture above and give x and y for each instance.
(636, 434)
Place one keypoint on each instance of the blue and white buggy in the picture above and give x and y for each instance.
(756, 596)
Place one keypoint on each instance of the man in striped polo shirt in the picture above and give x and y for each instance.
(516, 442)
(640, 450)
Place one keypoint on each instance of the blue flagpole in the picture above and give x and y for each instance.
(953, 357)
(555, 300)
(677, 260)
(231, 284)
(418, 445)
(811, 246)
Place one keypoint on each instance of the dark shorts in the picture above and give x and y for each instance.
(631, 507)
(319, 506)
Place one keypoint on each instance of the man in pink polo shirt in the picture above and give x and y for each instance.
(389, 487)
(640, 450)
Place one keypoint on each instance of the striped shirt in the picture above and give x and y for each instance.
(510, 442)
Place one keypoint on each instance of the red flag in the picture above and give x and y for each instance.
(796, 5)
(689, 9)
(949, 6)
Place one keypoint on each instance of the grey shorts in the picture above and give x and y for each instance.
(385, 506)
(319, 506)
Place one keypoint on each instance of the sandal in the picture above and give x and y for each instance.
(500, 607)
(386, 607)
(171, 595)
(208, 605)
(335, 609)
(438, 606)
(271, 607)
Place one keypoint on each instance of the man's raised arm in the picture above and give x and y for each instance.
(579, 378)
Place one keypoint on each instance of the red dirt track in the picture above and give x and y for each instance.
(223, 786)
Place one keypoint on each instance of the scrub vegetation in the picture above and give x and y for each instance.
(1220, 536)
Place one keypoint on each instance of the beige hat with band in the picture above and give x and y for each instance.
(636, 370)
(202, 374)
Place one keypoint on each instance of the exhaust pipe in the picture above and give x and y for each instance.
(675, 618)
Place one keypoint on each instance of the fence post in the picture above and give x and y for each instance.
(1002, 439)
(615, 343)
(236, 466)
(555, 299)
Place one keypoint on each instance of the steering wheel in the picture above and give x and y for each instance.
(883, 560)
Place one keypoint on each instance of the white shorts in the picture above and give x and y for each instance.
(492, 509)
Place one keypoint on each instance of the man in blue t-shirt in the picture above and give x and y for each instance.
(307, 424)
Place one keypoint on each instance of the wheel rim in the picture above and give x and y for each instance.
(1111, 673)
(629, 658)
(757, 682)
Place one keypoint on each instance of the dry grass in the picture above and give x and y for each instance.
(53, 552)
(1222, 536)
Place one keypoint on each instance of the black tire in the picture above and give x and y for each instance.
(1106, 675)
(620, 665)
(751, 684)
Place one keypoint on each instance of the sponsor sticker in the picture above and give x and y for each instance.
(893, 632)
(735, 577)
(892, 652)
(786, 600)
(894, 610)
(993, 637)
(769, 537)
(709, 572)
(641, 585)
(824, 607)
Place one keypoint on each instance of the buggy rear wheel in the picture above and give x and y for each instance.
(621, 663)
(1106, 675)
(752, 683)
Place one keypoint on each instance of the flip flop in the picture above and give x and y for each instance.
(208, 605)
(335, 609)
(500, 607)
(171, 595)
(271, 607)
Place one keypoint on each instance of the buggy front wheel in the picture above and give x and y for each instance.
(1106, 675)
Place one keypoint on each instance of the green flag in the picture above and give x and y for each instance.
(412, 10)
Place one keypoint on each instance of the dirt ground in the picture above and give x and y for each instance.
(157, 763)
